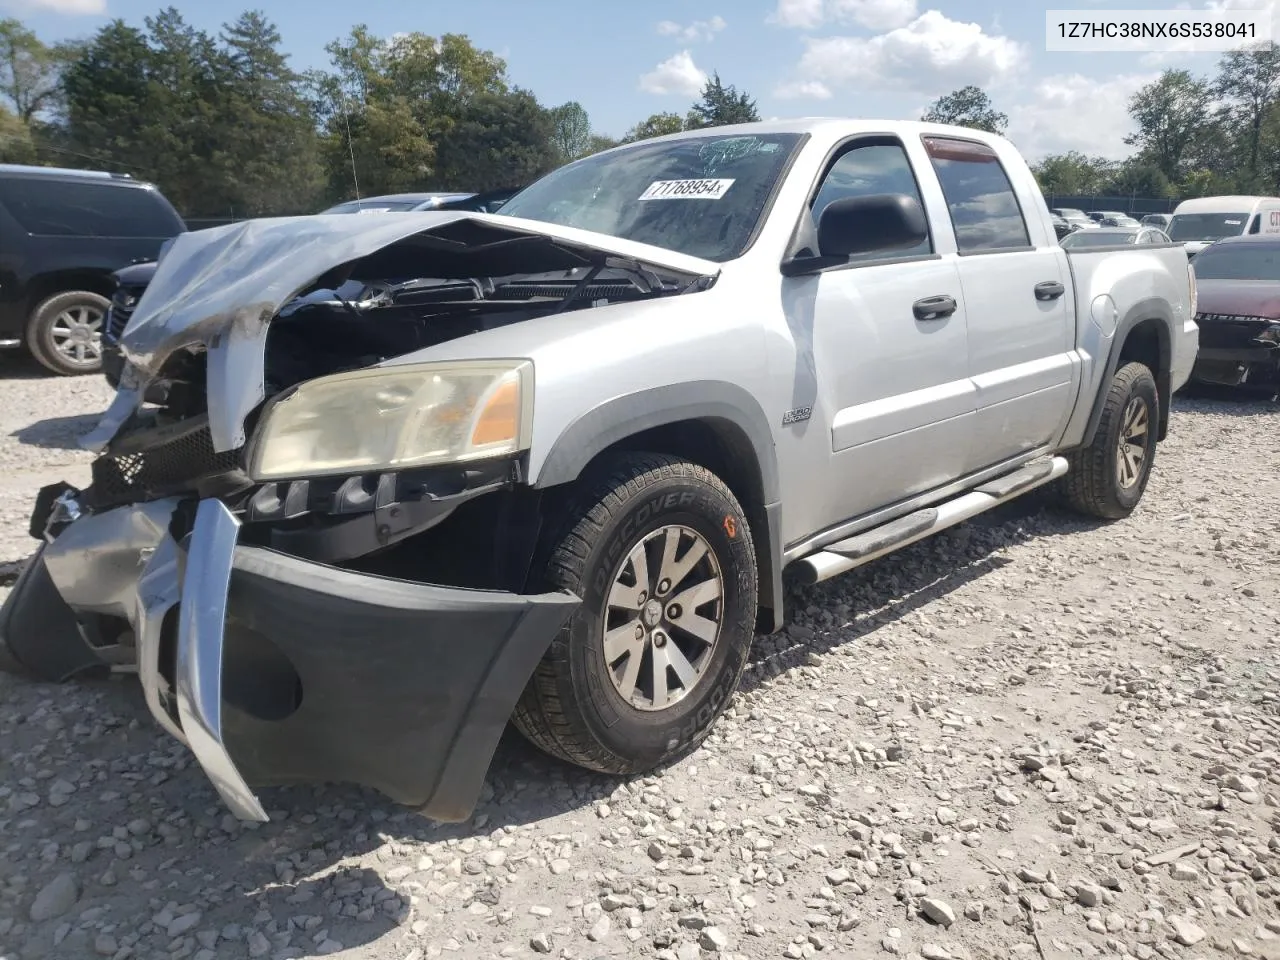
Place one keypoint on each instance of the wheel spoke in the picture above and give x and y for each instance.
(660, 664)
(630, 674)
(681, 665)
(675, 570)
(621, 640)
(700, 593)
(698, 626)
(628, 597)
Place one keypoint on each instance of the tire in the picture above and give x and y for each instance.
(573, 707)
(68, 313)
(1101, 481)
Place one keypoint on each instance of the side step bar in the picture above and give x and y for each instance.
(842, 556)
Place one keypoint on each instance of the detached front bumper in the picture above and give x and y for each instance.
(1235, 351)
(276, 670)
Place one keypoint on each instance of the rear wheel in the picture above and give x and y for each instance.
(65, 332)
(661, 554)
(1108, 477)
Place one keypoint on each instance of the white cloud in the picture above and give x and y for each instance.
(930, 55)
(70, 8)
(803, 90)
(1073, 112)
(693, 32)
(675, 75)
(872, 14)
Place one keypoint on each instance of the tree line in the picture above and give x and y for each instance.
(1194, 136)
(226, 128)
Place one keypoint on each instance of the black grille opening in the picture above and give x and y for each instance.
(168, 467)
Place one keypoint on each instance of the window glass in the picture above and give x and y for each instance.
(701, 195)
(984, 209)
(866, 171)
(1255, 223)
(68, 208)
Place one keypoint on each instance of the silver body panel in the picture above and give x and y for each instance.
(898, 413)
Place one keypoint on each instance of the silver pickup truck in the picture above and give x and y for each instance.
(373, 487)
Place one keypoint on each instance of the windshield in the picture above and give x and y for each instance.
(1097, 238)
(701, 196)
(1206, 226)
(1239, 261)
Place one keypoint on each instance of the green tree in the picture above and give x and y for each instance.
(967, 107)
(392, 104)
(572, 131)
(30, 71)
(1171, 113)
(598, 143)
(498, 140)
(1249, 81)
(1072, 173)
(721, 105)
(657, 125)
(267, 128)
(16, 144)
(1137, 178)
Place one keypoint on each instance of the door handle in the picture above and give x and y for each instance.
(934, 308)
(1049, 290)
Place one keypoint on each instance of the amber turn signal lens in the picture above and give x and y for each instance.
(498, 420)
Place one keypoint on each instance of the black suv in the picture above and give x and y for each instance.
(62, 235)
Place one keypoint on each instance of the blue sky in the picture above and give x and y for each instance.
(623, 61)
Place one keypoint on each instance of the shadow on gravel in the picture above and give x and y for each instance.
(57, 433)
(1242, 401)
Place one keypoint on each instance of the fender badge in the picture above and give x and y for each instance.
(798, 415)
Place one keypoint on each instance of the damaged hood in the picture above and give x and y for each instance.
(220, 288)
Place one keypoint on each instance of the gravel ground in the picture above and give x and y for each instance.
(1030, 737)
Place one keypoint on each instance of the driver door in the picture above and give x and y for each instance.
(887, 343)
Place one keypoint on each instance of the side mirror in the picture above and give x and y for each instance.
(887, 221)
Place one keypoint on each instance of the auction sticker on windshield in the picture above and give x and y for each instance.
(686, 190)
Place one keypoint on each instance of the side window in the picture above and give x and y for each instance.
(867, 170)
(984, 209)
(61, 208)
(1256, 223)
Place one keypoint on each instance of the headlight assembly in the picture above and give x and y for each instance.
(392, 418)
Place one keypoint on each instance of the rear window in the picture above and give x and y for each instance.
(68, 208)
(984, 209)
(1239, 261)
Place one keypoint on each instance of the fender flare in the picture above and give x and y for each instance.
(1152, 308)
(720, 404)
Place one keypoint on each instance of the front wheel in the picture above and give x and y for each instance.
(660, 552)
(64, 333)
(1107, 478)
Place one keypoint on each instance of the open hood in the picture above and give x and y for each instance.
(219, 289)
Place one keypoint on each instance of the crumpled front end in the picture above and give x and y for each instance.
(274, 669)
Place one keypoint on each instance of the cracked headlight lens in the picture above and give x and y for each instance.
(392, 418)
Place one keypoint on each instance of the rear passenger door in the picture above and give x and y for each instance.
(1020, 318)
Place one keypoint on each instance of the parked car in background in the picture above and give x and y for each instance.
(1097, 216)
(1061, 227)
(62, 234)
(1077, 218)
(130, 283)
(549, 466)
(1199, 222)
(488, 202)
(1121, 221)
(396, 203)
(1114, 236)
(1238, 284)
(1158, 220)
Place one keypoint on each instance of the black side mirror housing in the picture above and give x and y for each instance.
(883, 222)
